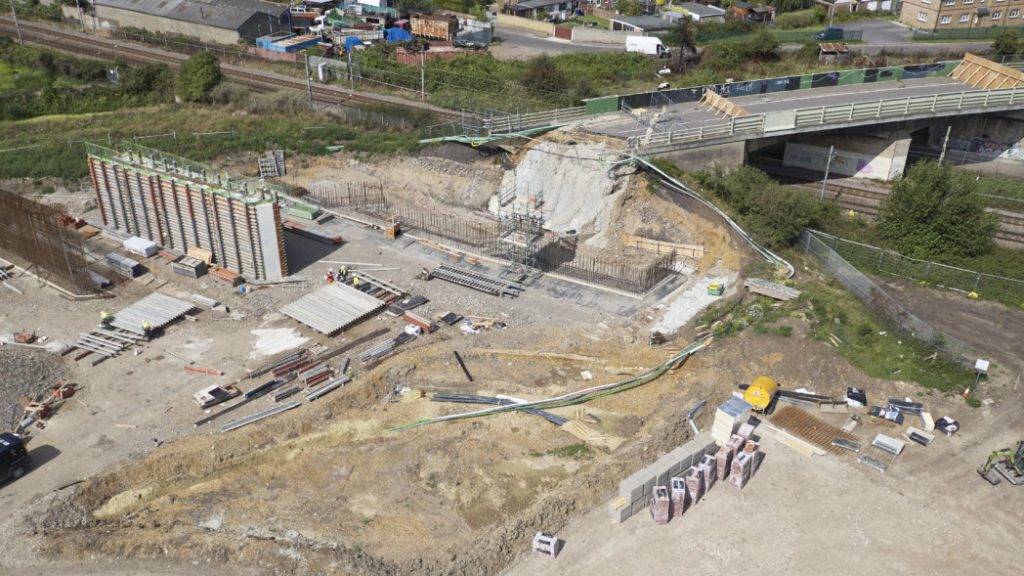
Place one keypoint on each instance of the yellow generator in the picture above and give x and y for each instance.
(761, 392)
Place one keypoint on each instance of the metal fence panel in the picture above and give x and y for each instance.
(822, 247)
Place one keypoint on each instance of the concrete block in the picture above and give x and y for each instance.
(705, 441)
(649, 484)
(639, 506)
(631, 488)
(685, 458)
(620, 510)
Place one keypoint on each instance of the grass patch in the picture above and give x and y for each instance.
(572, 452)
(58, 150)
(872, 346)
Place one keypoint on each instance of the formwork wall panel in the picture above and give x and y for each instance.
(178, 208)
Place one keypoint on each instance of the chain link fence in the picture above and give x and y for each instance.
(982, 33)
(822, 247)
(891, 264)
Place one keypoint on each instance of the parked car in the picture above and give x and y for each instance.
(14, 458)
(830, 34)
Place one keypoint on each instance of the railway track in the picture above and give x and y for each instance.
(264, 81)
(867, 202)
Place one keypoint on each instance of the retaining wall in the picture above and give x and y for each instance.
(526, 24)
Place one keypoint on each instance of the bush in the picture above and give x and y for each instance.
(541, 75)
(1007, 43)
(782, 6)
(629, 7)
(774, 215)
(800, 19)
(151, 78)
(198, 76)
(933, 214)
(761, 46)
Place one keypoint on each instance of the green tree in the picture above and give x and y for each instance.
(762, 45)
(198, 76)
(1007, 43)
(541, 75)
(934, 214)
(155, 79)
(684, 35)
(629, 7)
(406, 6)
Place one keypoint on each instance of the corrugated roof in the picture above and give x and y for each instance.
(700, 9)
(644, 22)
(539, 3)
(834, 47)
(229, 14)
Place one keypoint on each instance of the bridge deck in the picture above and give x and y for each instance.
(695, 115)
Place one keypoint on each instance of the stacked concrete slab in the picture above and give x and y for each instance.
(732, 414)
(636, 490)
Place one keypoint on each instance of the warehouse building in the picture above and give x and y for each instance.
(219, 21)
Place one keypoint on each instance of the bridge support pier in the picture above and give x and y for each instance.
(880, 156)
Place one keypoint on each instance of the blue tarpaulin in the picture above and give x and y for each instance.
(393, 35)
(351, 41)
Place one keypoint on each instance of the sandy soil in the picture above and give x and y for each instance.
(330, 488)
(930, 513)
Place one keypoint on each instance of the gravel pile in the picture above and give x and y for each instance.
(25, 373)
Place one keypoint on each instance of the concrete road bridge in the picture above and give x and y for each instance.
(870, 115)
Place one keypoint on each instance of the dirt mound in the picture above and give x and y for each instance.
(25, 373)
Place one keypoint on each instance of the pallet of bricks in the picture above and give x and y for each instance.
(681, 478)
(636, 491)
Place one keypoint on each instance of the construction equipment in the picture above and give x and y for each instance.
(1006, 463)
(761, 392)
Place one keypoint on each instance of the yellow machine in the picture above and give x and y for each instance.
(761, 392)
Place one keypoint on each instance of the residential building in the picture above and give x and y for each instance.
(220, 21)
(641, 24)
(694, 11)
(938, 15)
(746, 11)
(554, 10)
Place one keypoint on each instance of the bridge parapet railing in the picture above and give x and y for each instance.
(837, 114)
(517, 122)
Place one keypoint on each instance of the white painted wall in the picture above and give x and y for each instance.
(859, 156)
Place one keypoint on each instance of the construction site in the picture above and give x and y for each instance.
(471, 360)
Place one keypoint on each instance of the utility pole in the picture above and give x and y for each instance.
(945, 143)
(81, 16)
(17, 25)
(309, 83)
(351, 72)
(423, 77)
(828, 166)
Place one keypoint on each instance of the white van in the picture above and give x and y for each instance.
(650, 45)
